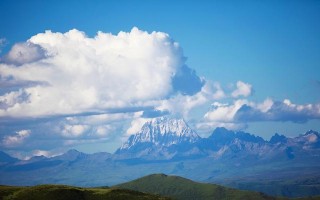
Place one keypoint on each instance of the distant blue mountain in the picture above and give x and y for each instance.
(276, 138)
(167, 145)
(70, 155)
(5, 158)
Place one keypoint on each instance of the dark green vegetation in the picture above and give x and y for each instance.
(153, 187)
(61, 192)
(184, 189)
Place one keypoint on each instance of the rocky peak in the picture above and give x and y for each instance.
(163, 131)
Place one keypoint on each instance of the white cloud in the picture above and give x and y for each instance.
(97, 74)
(43, 153)
(181, 105)
(240, 112)
(13, 98)
(265, 106)
(74, 130)
(219, 93)
(92, 127)
(17, 139)
(102, 118)
(243, 89)
(22, 53)
(224, 112)
(206, 127)
(279, 111)
(104, 130)
(135, 125)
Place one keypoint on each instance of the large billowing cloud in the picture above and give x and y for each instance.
(77, 74)
(23, 53)
(74, 86)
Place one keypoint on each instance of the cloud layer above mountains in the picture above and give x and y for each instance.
(81, 89)
(239, 113)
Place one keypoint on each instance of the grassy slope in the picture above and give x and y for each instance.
(61, 192)
(184, 189)
(157, 184)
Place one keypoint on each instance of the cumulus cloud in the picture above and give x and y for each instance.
(16, 139)
(92, 127)
(57, 135)
(12, 98)
(278, 111)
(22, 53)
(237, 114)
(219, 93)
(243, 89)
(186, 81)
(136, 124)
(82, 74)
(74, 130)
(180, 105)
(224, 112)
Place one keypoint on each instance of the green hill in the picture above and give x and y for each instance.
(184, 189)
(152, 187)
(61, 192)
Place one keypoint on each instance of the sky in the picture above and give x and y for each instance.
(87, 74)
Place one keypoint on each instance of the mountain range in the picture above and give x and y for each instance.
(281, 166)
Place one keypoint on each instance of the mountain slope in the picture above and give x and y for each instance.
(184, 189)
(5, 158)
(161, 138)
(162, 131)
(62, 192)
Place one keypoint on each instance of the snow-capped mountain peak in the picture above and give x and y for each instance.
(163, 131)
(166, 125)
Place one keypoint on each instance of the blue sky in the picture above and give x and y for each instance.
(256, 68)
